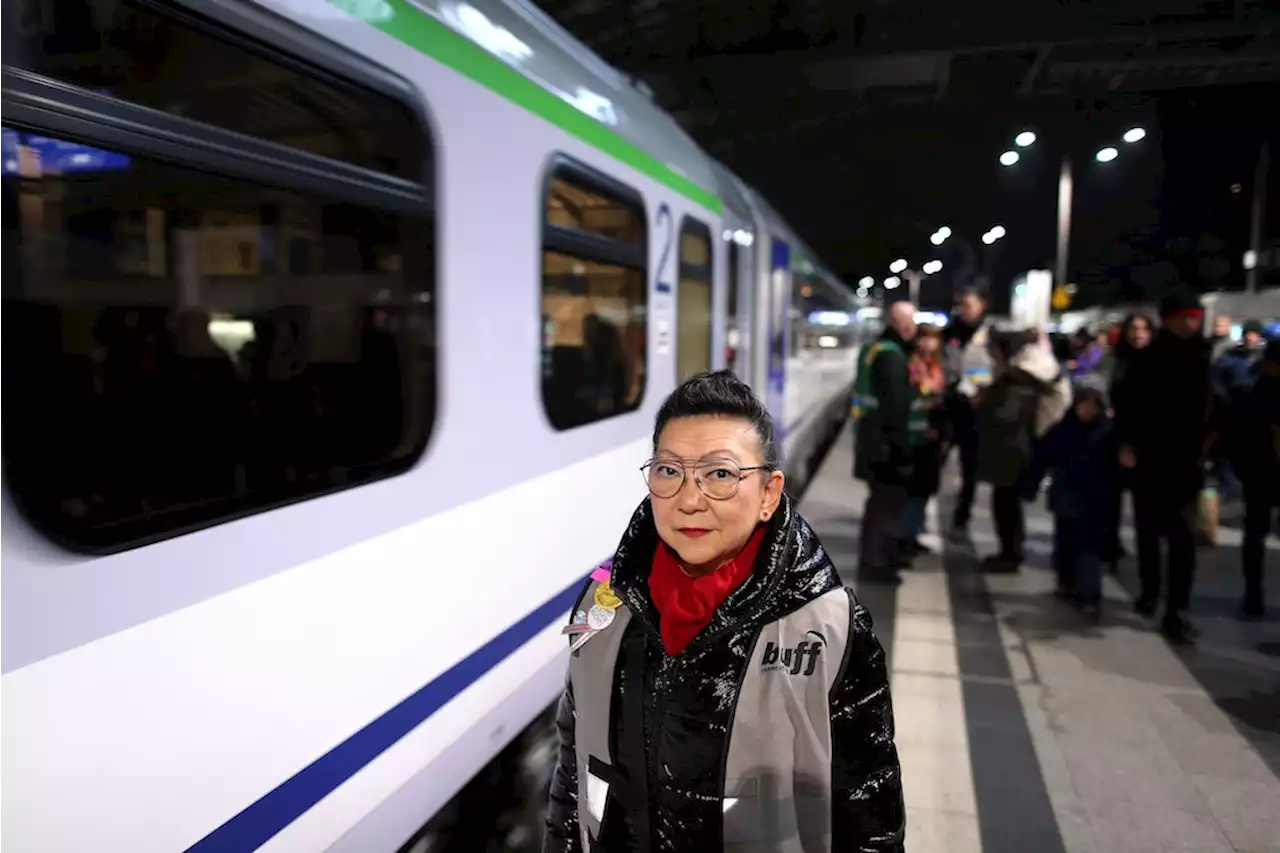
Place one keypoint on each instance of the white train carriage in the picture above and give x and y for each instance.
(269, 580)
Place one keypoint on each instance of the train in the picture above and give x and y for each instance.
(269, 581)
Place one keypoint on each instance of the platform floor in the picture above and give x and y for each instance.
(1024, 729)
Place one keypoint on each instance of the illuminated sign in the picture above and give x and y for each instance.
(829, 318)
(55, 155)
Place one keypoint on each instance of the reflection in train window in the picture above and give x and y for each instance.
(736, 326)
(802, 300)
(693, 347)
(166, 61)
(195, 347)
(573, 206)
(594, 301)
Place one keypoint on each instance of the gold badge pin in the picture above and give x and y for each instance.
(606, 598)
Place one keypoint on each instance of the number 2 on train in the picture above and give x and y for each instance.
(662, 278)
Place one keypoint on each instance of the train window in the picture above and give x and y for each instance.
(801, 299)
(594, 299)
(177, 63)
(693, 345)
(195, 347)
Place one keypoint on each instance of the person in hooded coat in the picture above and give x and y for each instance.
(1029, 395)
(726, 691)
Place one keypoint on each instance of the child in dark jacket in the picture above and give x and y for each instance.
(1081, 453)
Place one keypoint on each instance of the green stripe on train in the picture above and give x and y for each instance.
(422, 32)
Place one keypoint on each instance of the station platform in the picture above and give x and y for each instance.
(1023, 728)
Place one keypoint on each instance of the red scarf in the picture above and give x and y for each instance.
(686, 605)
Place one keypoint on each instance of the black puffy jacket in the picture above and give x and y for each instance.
(672, 714)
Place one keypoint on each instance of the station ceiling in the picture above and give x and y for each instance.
(863, 120)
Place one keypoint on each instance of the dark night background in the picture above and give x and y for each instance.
(870, 124)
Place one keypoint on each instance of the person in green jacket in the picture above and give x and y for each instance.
(882, 444)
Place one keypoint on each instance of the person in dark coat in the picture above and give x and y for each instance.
(1024, 377)
(1232, 375)
(967, 360)
(1081, 454)
(1135, 335)
(1162, 431)
(882, 446)
(726, 691)
(1255, 451)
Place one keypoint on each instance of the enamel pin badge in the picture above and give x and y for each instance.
(599, 617)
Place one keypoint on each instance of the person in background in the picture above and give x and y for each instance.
(1220, 341)
(967, 362)
(929, 435)
(1233, 375)
(1080, 452)
(1026, 398)
(1256, 453)
(1161, 429)
(726, 691)
(882, 442)
(1135, 334)
(1060, 345)
(1092, 351)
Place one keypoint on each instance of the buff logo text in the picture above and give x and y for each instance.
(801, 660)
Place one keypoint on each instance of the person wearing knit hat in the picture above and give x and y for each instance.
(1162, 431)
(1081, 453)
(1092, 384)
(1181, 299)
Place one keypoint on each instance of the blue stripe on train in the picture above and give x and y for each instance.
(258, 823)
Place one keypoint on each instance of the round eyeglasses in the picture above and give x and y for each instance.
(718, 479)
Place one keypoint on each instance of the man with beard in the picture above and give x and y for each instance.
(1162, 432)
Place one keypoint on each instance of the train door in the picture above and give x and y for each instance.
(778, 331)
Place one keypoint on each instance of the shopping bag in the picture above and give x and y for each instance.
(1207, 507)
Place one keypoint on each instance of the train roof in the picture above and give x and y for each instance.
(526, 39)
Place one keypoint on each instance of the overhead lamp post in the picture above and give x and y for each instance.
(1066, 186)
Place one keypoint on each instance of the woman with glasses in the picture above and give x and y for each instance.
(725, 692)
